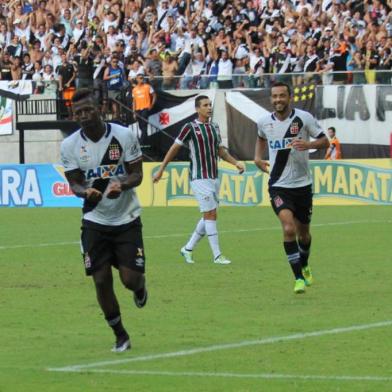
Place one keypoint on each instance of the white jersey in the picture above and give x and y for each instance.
(101, 162)
(289, 168)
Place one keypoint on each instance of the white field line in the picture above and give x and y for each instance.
(228, 346)
(267, 376)
(271, 228)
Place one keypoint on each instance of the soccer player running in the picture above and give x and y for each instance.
(205, 145)
(103, 165)
(287, 133)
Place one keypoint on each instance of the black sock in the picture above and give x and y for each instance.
(140, 293)
(291, 248)
(115, 324)
(304, 252)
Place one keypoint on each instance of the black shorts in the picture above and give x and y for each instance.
(115, 245)
(298, 200)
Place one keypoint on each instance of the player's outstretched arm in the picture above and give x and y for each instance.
(225, 155)
(170, 155)
(79, 187)
(261, 145)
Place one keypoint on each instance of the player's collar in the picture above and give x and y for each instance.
(201, 122)
(108, 130)
(290, 116)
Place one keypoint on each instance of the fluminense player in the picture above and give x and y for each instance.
(203, 139)
(287, 133)
(103, 165)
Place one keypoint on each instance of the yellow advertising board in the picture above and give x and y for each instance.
(343, 182)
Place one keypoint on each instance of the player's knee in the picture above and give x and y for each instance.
(289, 229)
(304, 237)
(133, 282)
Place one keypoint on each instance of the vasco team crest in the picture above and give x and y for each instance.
(278, 201)
(294, 128)
(114, 152)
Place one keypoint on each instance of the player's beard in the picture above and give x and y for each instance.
(281, 108)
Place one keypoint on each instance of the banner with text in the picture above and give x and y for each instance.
(353, 182)
(361, 114)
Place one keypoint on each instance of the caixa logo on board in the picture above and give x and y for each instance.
(19, 188)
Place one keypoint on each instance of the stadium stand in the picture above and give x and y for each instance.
(194, 44)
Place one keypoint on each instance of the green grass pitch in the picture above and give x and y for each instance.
(247, 329)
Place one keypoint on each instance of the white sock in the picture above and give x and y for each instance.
(197, 235)
(212, 234)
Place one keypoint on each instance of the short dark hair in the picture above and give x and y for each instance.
(81, 94)
(199, 99)
(332, 129)
(282, 84)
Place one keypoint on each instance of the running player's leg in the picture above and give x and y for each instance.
(196, 236)
(136, 282)
(97, 258)
(287, 221)
(130, 258)
(103, 281)
(304, 242)
(303, 215)
(206, 193)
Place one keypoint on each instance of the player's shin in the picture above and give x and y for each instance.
(212, 233)
(304, 252)
(293, 257)
(196, 236)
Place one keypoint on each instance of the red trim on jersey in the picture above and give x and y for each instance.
(212, 147)
(203, 157)
(184, 132)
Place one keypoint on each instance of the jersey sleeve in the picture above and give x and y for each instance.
(260, 129)
(314, 127)
(184, 135)
(68, 158)
(132, 150)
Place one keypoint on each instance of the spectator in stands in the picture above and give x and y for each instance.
(154, 69)
(372, 60)
(357, 64)
(37, 78)
(5, 36)
(143, 100)
(225, 69)
(66, 76)
(334, 150)
(5, 66)
(27, 67)
(100, 88)
(16, 68)
(169, 70)
(85, 66)
(135, 68)
(318, 36)
(114, 77)
(15, 47)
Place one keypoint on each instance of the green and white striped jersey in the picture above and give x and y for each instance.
(203, 141)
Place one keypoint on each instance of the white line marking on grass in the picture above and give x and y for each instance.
(268, 376)
(228, 346)
(271, 228)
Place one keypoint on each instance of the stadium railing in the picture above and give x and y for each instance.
(236, 80)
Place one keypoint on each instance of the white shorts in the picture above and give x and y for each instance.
(207, 193)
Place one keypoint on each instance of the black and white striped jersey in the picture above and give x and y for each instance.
(289, 168)
(102, 162)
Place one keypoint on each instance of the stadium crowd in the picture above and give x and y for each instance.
(105, 44)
